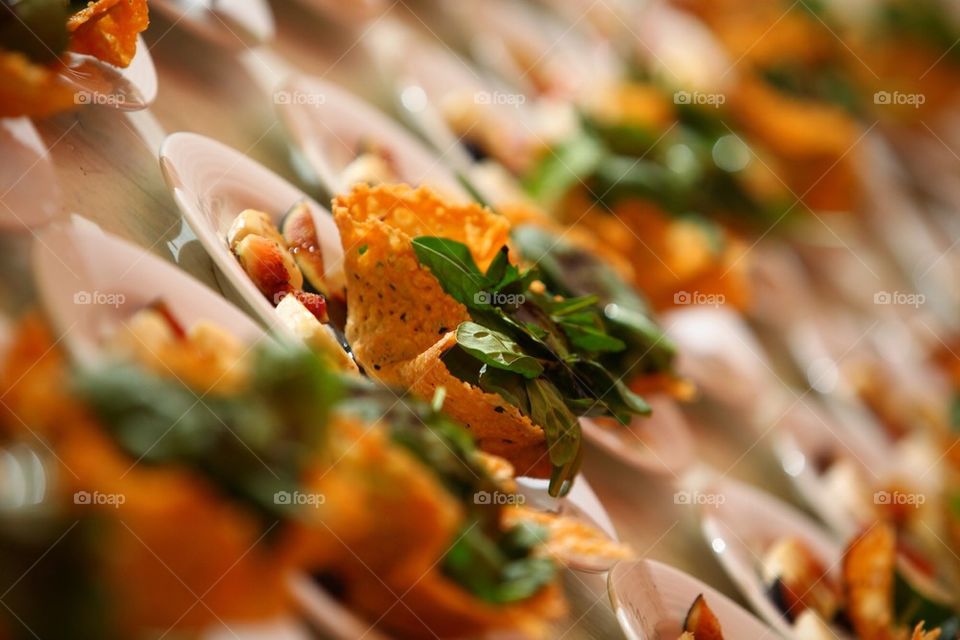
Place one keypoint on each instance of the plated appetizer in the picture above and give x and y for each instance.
(37, 37)
(808, 587)
(271, 464)
(656, 602)
(435, 299)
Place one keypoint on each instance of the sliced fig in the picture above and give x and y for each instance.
(300, 235)
(269, 265)
(252, 222)
(702, 622)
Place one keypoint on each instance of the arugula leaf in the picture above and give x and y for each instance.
(562, 430)
(251, 445)
(496, 349)
(532, 348)
(451, 263)
(564, 167)
(35, 28)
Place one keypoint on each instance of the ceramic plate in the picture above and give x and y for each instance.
(328, 126)
(719, 352)
(212, 184)
(661, 443)
(651, 601)
(91, 282)
(232, 24)
(580, 504)
(29, 194)
(741, 522)
(97, 83)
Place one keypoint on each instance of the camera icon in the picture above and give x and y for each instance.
(82, 297)
(682, 97)
(682, 497)
(482, 297)
(83, 97)
(482, 497)
(682, 297)
(882, 497)
(282, 97)
(882, 97)
(882, 297)
(82, 497)
(482, 97)
(282, 497)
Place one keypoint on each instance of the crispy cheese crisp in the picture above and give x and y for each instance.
(382, 554)
(400, 321)
(108, 30)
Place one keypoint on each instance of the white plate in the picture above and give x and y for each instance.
(351, 12)
(212, 183)
(651, 600)
(232, 24)
(91, 282)
(660, 443)
(426, 76)
(98, 83)
(328, 124)
(29, 193)
(807, 434)
(719, 352)
(568, 61)
(740, 524)
(580, 504)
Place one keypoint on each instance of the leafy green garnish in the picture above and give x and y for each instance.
(541, 353)
(495, 565)
(35, 28)
(571, 271)
(251, 445)
(676, 169)
(496, 349)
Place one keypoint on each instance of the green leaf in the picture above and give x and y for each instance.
(592, 339)
(955, 413)
(496, 349)
(562, 429)
(35, 28)
(453, 265)
(564, 167)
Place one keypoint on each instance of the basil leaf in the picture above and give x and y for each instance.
(562, 429)
(451, 263)
(496, 349)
